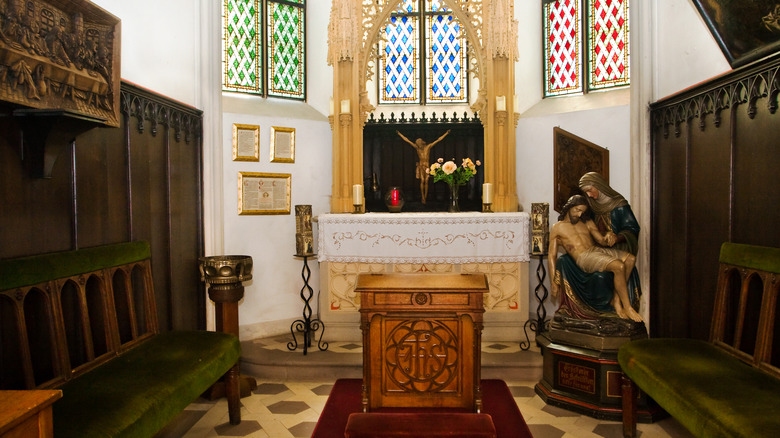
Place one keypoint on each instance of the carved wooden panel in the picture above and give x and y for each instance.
(574, 157)
(61, 54)
(421, 340)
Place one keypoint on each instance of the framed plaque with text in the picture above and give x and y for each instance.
(263, 193)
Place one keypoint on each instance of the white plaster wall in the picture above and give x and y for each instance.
(159, 52)
(272, 298)
(685, 52)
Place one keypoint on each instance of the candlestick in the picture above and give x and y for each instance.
(357, 194)
(487, 193)
(500, 103)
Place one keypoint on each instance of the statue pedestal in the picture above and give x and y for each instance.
(581, 373)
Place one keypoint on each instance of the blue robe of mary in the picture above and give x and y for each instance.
(588, 296)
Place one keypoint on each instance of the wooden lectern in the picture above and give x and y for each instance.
(421, 339)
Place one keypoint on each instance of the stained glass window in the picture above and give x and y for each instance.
(286, 65)
(608, 37)
(585, 45)
(431, 57)
(562, 45)
(264, 47)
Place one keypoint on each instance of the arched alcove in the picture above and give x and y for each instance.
(491, 32)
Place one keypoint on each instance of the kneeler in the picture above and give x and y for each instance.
(419, 425)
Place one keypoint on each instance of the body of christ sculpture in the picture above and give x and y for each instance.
(580, 238)
(423, 155)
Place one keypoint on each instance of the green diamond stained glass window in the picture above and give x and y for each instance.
(264, 47)
(585, 45)
(415, 57)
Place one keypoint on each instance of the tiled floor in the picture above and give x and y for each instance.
(287, 409)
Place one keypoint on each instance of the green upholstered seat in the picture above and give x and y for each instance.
(139, 392)
(710, 392)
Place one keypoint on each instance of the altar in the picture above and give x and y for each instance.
(494, 244)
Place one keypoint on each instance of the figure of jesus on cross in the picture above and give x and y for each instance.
(423, 156)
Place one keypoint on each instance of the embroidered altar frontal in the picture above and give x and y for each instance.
(494, 244)
(455, 238)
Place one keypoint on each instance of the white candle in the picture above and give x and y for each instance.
(515, 104)
(332, 108)
(357, 194)
(500, 103)
(345, 106)
(487, 193)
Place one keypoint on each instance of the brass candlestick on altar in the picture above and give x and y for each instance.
(224, 275)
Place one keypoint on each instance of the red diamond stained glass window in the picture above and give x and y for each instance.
(585, 45)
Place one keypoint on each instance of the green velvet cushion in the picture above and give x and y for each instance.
(138, 393)
(762, 258)
(709, 391)
(26, 271)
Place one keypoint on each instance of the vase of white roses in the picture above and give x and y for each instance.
(455, 176)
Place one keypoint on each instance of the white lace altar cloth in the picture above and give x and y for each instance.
(456, 238)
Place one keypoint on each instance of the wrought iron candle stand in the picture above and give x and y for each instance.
(306, 325)
(224, 275)
(539, 325)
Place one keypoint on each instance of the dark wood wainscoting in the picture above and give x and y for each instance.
(715, 178)
(392, 161)
(141, 181)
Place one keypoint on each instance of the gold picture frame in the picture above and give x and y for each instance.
(282, 145)
(263, 193)
(246, 142)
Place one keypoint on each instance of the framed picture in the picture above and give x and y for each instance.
(744, 30)
(540, 227)
(282, 145)
(573, 157)
(246, 142)
(263, 193)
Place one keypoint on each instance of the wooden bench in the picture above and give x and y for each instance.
(85, 322)
(729, 386)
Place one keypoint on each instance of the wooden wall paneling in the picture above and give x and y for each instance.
(167, 206)
(35, 213)
(148, 168)
(708, 217)
(757, 177)
(729, 181)
(142, 180)
(669, 237)
(186, 225)
(102, 188)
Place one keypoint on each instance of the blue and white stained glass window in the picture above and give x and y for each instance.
(398, 65)
(431, 57)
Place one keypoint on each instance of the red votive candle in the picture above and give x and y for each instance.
(394, 197)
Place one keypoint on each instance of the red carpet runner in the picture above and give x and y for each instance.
(497, 402)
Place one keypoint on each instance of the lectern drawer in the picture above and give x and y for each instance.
(422, 300)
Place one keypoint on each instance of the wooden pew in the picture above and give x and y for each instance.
(85, 322)
(729, 386)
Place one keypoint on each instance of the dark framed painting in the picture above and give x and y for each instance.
(573, 157)
(745, 30)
